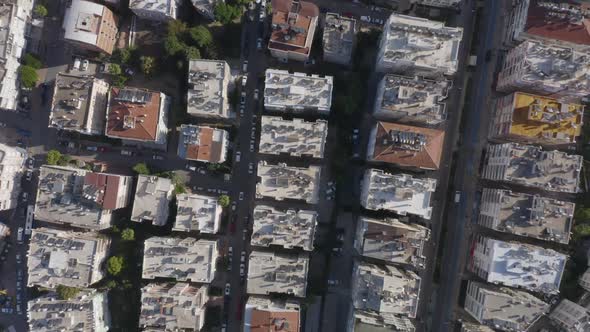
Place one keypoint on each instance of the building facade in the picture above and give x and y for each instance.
(12, 161)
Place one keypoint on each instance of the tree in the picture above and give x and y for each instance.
(28, 76)
(141, 168)
(225, 13)
(179, 188)
(53, 157)
(128, 234)
(201, 36)
(32, 61)
(115, 69)
(223, 200)
(148, 64)
(172, 45)
(123, 55)
(110, 284)
(581, 231)
(115, 265)
(66, 293)
(191, 53)
(64, 160)
(40, 10)
(120, 80)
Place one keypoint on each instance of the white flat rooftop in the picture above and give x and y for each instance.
(197, 213)
(286, 182)
(297, 91)
(181, 259)
(400, 193)
(288, 229)
(295, 137)
(152, 199)
(207, 93)
(277, 273)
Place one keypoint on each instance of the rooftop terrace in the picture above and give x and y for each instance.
(339, 38)
(208, 88)
(197, 213)
(152, 200)
(297, 91)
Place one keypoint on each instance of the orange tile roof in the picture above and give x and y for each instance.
(133, 119)
(290, 31)
(274, 321)
(410, 152)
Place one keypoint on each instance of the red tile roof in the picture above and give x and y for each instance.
(274, 321)
(410, 152)
(130, 118)
(551, 24)
(106, 187)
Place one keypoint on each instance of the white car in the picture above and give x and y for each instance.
(76, 64)
(366, 19)
(126, 153)
(227, 289)
(241, 197)
(234, 206)
(191, 168)
(243, 257)
(244, 80)
(158, 157)
(242, 270)
(19, 235)
(251, 147)
(250, 168)
(84, 66)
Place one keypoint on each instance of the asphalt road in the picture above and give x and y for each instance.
(468, 158)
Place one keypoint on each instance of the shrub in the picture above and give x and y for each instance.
(53, 157)
(141, 168)
(223, 200)
(40, 10)
(28, 76)
(128, 234)
(115, 265)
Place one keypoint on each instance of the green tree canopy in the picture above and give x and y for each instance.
(40, 10)
(172, 45)
(148, 64)
(115, 69)
(120, 80)
(123, 55)
(128, 234)
(223, 200)
(225, 13)
(28, 76)
(115, 265)
(141, 168)
(179, 188)
(66, 293)
(201, 36)
(53, 157)
(32, 61)
(192, 53)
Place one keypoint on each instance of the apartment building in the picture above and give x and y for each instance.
(339, 39)
(292, 29)
(557, 22)
(79, 198)
(173, 307)
(503, 308)
(185, 259)
(532, 119)
(295, 138)
(545, 69)
(405, 146)
(202, 143)
(399, 193)
(156, 10)
(262, 314)
(208, 84)
(570, 317)
(282, 182)
(418, 46)
(138, 117)
(90, 26)
(584, 280)
(15, 20)
(385, 296)
(197, 213)
(531, 166)
(79, 104)
(12, 160)
(412, 99)
(526, 215)
(297, 92)
(277, 273)
(152, 200)
(517, 265)
(391, 241)
(57, 257)
(87, 311)
(285, 228)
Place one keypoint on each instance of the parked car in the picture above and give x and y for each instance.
(238, 156)
(242, 270)
(243, 256)
(227, 289)
(29, 175)
(191, 168)
(127, 153)
(84, 66)
(91, 148)
(242, 110)
(333, 282)
(252, 147)
(31, 163)
(18, 259)
(250, 168)
(241, 197)
(244, 233)
(366, 19)
(25, 197)
(19, 235)
(76, 64)
(243, 98)
(158, 157)
(244, 80)
(259, 44)
(234, 205)
(256, 94)
(245, 66)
